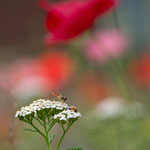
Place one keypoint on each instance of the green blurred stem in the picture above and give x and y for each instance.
(116, 19)
(122, 83)
(121, 80)
(65, 131)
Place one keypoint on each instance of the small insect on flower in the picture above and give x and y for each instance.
(60, 97)
(73, 108)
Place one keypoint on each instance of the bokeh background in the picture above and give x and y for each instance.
(104, 72)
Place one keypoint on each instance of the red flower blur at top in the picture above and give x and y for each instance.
(68, 19)
(57, 67)
(140, 70)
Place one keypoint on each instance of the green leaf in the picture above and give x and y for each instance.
(75, 149)
(31, 130)
(52, 136)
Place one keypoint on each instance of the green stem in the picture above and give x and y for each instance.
(65, 131)
(46, 136)
(38, 121)
(37, 129)
(63, 128)
(51, 125)
(40, 132)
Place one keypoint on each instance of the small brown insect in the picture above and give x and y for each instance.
(73, 108)
(60, 97)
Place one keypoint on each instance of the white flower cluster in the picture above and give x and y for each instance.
(39, 105)
(67, 114)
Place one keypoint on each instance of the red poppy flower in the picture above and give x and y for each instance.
(140, 70)
(57, 67)
(66, 20)
(93, 87)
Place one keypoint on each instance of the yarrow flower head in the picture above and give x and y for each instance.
(67, 115)
(47, 113)
(41, 104)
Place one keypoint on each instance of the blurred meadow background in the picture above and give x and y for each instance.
(104, 71)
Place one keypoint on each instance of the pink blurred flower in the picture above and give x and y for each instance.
(105, 45)
(68, 19)
(12, 73)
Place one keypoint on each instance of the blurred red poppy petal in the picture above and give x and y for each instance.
(66, 20)
(57, 67)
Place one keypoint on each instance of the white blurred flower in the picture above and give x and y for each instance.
(111, 107)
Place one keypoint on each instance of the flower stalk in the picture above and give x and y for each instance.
(47, 113)
(65, 131)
